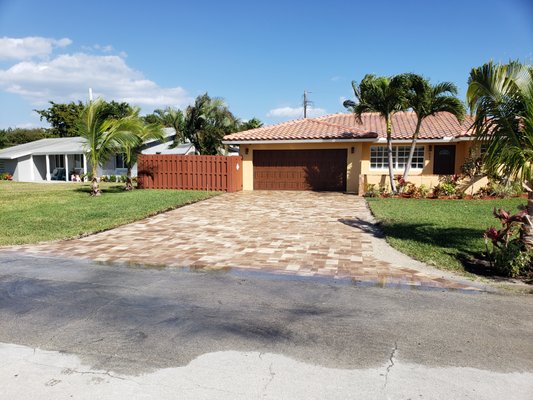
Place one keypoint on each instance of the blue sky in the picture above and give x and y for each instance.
(258, 56)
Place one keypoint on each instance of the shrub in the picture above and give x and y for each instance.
(444, 189)
(104, 178)
(6, 176)
(509, 254)
(423, 191)
(376, 191)
(501, 190)
(112, 178)
(372, 191)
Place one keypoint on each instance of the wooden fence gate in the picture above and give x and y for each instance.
(169, 171)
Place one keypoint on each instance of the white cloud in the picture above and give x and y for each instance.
(29, 47)
(295, 112)
(68, 77)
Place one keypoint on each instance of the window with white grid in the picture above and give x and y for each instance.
(400, 154)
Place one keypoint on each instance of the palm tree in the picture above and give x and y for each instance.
(172, 118)
(206, 123)
(425, 100)
(385, 96)
(501, 98)
(131, 150)
(104, 137)
(253, 123)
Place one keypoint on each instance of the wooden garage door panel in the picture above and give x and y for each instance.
(300, 169)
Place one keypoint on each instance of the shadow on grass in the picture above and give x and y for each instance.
(456, 242)
(118, 188)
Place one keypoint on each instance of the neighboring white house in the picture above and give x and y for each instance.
(58, 158)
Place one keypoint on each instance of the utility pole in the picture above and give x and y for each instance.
(306, 103)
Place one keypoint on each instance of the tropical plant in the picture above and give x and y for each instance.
(206, 123)
(425, 100)
(169, 118)
(510, 256)
(253, 123)
(383, 95)
(142, 132)
(104, 137)
(501, 98)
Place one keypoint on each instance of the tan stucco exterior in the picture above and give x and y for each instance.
(358, 173)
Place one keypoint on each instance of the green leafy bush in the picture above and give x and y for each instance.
(444, 189)
(112, 178)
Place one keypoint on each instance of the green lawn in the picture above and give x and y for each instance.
(439, 232)
(35, 212)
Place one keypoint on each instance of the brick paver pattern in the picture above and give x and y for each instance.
(302, 233)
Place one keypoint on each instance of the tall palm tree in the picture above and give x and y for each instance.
(105, 137)
(501, 98)
(206, 123)
(383, 95)
(425, 100)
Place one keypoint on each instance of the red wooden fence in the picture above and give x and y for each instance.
(169, 171)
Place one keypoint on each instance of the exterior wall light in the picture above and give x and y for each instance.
(246, 150)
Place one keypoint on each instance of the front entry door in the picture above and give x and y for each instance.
(444, 160)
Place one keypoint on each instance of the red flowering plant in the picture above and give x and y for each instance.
(509, 253)
(513, 227)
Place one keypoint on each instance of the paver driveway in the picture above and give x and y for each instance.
(302, 233)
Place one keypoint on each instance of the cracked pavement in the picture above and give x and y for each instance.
(87, 330)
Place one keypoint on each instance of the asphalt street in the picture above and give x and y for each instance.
(135, 323)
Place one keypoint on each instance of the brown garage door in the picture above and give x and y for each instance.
(300, 170)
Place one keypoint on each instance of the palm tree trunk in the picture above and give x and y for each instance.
(528, 228)
(389, 154)
(95, 188)
(412, 150)
(129, 184)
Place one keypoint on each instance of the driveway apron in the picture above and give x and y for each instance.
(301, 233)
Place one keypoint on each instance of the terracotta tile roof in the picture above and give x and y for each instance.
(302, 129)
(345, 126)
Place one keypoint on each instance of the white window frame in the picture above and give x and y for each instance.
(379, 158)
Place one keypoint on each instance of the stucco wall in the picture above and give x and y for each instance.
(39, 168)
(353, 164)
(358, 163)
(24, 169)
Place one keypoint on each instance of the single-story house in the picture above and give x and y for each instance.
(337, 153)
(58, 158)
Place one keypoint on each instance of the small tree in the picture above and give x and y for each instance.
(382, 95)
(105, 137)
(131, 150)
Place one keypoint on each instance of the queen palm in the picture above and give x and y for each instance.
(104, 137)
(425, 100)
(501, 98)
(385, 96)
